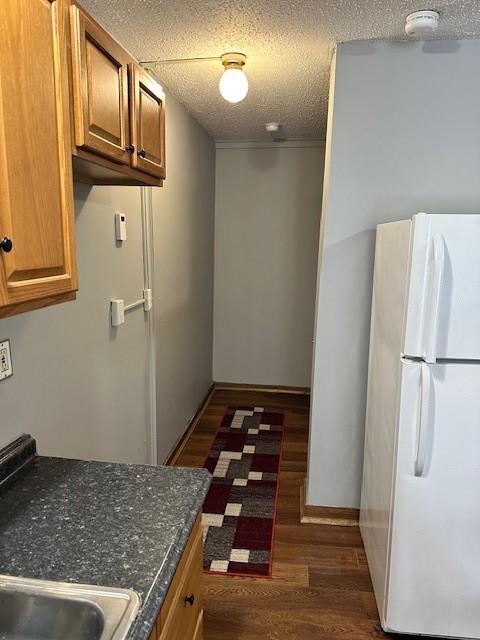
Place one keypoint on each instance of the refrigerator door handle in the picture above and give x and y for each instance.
(433, 309)
(422, 434)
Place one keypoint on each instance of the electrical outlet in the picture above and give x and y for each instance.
(6, 369)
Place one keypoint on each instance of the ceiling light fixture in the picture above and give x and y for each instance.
(233, 83)
(421, 23)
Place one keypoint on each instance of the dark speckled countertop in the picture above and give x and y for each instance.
(114, 525)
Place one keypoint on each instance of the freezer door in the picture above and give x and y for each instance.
(443, 307)
(434, 556)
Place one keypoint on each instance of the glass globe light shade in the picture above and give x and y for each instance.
(233, 84)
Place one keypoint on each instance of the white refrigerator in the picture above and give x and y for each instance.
(420, 508)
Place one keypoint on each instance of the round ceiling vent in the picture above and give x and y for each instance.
(421, 23)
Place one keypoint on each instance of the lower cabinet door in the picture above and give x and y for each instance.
(187, 605)
(182, 614)
(198, 635)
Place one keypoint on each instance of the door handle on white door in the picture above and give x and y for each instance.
(433, 310)
(422, 433)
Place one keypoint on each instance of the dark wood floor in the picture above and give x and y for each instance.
(321, 587)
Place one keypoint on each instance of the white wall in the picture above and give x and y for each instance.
(267, 216)
(79, 386)
(404, 136)
(183, 230)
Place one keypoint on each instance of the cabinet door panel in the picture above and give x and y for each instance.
(36, 194)
(153, 635)
(100, 89)
(184, 620)
(198, 635)
(180, 616)
(147, 102)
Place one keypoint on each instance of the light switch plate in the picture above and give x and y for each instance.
(6, 369)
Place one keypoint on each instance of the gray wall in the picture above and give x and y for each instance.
(82, 388)
(404, 136)
(79, 386)
(183, 230)
(267, 216)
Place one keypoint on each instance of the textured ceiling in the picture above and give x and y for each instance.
(288, 44)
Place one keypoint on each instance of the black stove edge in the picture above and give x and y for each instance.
(15, 456)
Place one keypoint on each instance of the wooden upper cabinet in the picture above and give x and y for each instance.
(100, 89)
(36, 190)
(118, 110)
(147, 109)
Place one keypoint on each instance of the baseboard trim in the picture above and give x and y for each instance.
(337, 516)
(225, 386)
(180, 445)
(217, 386)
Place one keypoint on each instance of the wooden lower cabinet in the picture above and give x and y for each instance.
(181, 616)
(198, 635)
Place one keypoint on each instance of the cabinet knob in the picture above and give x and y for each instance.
(190, 599)
(130, 148)
(142, 153)
(6, 244)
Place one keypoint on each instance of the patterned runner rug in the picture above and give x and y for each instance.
(239, 510)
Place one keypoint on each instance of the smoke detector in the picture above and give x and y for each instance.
(421, 23)
(276, 132)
